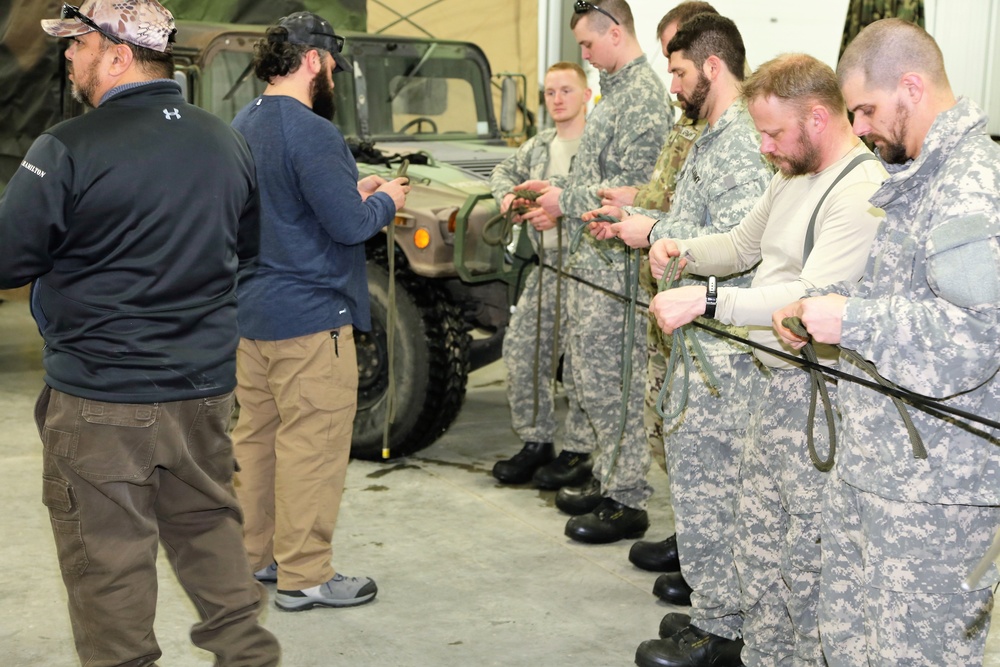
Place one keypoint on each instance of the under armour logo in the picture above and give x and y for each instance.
(172, 114)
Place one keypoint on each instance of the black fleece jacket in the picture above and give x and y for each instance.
(131, 220)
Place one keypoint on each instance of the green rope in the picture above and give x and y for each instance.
(556, 328)
(817, 386)
(795, 325)
(499, 230)
(576, 238)
(931, 406)
(539, 309)
(628, 342)
(681, 340)
(390, 325)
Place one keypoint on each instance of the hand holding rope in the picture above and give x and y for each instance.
(796, 326)
(499, 230)
(680, 346)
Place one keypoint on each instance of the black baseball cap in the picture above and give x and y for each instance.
(313, 30)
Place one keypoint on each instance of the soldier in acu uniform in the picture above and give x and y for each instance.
(659, 556)
(537, 328)
(901, 531)
(819, 201)
(718, 185)
(619, 147)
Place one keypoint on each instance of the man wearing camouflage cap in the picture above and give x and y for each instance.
(903, 527)
(133, 249)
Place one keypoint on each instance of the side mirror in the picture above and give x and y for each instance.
(508, 105)
(181, 78)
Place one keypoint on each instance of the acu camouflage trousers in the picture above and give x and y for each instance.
(530, 345)
(778, 525)
(890, 585)
(597, 326)
(703, 449)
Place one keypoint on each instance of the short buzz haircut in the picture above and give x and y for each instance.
(682, 13)
(600, 23)
(707, 35)
(886, 50)
(565, 66)
(799, 80)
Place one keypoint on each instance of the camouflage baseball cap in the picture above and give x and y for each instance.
(140, 22)
(314, 30)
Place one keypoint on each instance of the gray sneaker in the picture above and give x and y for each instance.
(340, 591)
(267, 574)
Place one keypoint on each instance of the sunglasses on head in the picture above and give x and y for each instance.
(71, 12)
(582, 7)
(333, 43)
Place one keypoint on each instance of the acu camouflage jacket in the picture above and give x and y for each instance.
(926, 314)
(620, 143)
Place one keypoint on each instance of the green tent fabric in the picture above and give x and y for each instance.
(32, 67)
(863, 12)
(343, 14)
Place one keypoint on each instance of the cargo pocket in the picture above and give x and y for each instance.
(325, 395)
(57, 496)
(209, 441)
(117, 440)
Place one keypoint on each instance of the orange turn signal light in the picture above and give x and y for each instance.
(421, 238)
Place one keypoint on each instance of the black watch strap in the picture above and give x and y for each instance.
(711, 297)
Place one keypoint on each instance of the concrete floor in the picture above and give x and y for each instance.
(469, 572)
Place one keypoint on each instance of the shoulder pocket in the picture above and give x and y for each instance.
(963, 261)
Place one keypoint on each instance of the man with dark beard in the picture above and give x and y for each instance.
(297, 369)
(721, 180)
(813, 227)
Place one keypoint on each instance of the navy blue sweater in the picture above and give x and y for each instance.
(310, 275)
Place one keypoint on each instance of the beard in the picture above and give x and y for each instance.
(84, 84)
(322, 97)
(805, 160)
(692, 105)
(892, 149)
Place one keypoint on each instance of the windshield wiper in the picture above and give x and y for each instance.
(413, 72)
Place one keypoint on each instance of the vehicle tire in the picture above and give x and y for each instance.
(431, 366)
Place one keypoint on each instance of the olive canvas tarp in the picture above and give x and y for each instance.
(32, 66)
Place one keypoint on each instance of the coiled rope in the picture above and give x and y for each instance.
(795, 325)
(679, 345)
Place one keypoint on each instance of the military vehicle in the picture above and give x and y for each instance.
(430, 102)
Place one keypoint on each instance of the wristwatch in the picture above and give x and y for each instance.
(711, 298)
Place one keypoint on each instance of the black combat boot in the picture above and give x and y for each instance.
(672, 588)
(577, 500)
(691, 647)
(656, 556)
(610, 522)
(519, 468)
(569, 469)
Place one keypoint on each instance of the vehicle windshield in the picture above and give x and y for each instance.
(399, 90)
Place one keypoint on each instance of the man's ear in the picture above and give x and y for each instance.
(818, 119)
(122, 58)
(617, 34)
(712, 67)
(313, 61)
(911, 86)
